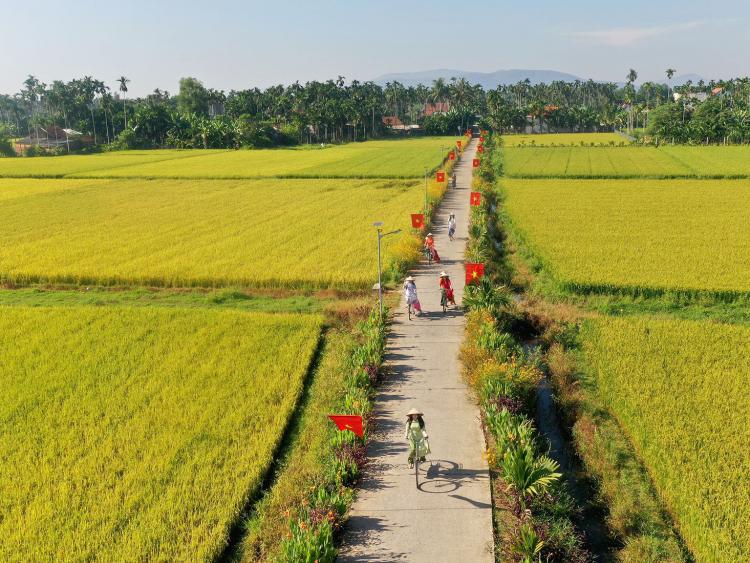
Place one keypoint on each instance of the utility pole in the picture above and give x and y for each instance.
(379, 226)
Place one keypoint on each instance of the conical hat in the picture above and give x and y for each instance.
(444, 275)
(409, 279)
(414, 412)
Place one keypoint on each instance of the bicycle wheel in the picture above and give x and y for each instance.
(416, 469)
(408, 308)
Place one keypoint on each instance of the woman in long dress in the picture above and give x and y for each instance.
(416, 435)
(446, 293)
(410, 292)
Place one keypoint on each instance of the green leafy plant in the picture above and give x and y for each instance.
(529, 545)
(487, 295)
(529, 475)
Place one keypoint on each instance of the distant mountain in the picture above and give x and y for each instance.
(682, 78)
(488, 80)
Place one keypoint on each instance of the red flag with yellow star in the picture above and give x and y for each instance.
(458, 143)
(480, 149)
(348, 422)
(440, 176)
(475, 198)
(417, 220)
(481, 139)
(474, 272)
(451, 155)
(475, 163)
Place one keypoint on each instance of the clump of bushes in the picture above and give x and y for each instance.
(313, 526)
(533, 510)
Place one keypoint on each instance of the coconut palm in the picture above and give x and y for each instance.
(124, 89)
(670, 73)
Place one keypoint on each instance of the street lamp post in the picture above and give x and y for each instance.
(379, 226)
(426, 198)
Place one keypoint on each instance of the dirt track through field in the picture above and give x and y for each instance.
(449, 518)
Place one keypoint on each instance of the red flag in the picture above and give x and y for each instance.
(451, 155)
(440, 176)
(417, 220)
(458, 143)
(348, 422)
(475, 198)
(474, 272)
(475, 163)
(480, 149)
(481, 139)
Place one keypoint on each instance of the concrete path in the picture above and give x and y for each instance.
(449, 518)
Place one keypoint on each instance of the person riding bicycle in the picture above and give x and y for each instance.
(451, 226)
(416, 435)
(446, 293)
(410, 292)
(429, 244)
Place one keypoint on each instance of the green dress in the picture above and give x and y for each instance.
(417, 438)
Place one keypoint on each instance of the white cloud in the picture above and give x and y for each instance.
(627, 36)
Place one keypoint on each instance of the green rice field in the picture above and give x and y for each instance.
(564, 139)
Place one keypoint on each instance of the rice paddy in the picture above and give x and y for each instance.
(139, 434)
(177, 233)
(373, 159)
(679, 390)
(636, 235)
(628, 162)
(565, 139)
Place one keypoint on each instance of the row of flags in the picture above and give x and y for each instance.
(474, 272)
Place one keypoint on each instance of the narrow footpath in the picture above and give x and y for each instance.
(449, 518)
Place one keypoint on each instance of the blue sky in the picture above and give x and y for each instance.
(238, 44)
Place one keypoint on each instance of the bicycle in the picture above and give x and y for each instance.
(443, 299)
(428, 254)
(416, 468)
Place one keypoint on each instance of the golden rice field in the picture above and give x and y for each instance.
(638, 235)
(289, 233)
(139, 434)
(372, 159)
(564, 139)
(72, 165)
(679, 390)
(627, 162)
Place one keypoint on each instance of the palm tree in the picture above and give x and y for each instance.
(632, 77)
(439, 91)
(124, 89)
(670, 73)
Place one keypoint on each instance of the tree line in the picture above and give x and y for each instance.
(337, 111)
